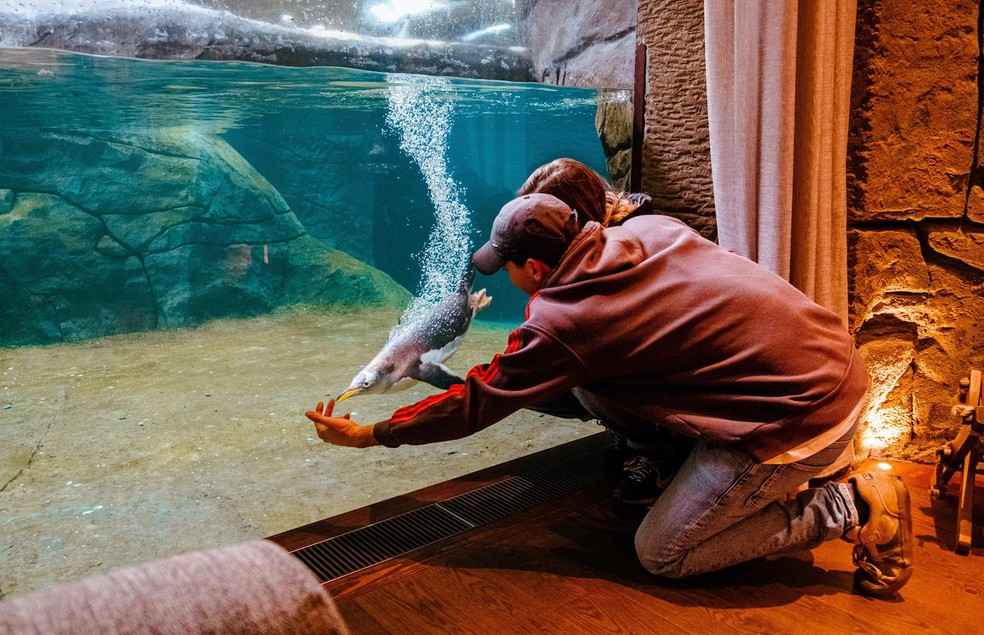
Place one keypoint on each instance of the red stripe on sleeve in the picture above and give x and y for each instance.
(409, 412)
(487, 372)
(526, 315)
(483, 373)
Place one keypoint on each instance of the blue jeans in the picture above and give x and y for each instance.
(723, 508)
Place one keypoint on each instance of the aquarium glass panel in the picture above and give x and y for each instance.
(193, 254)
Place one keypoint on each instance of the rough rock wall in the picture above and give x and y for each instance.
(112, 232)
(589, 44)
(676, 154)
(582, 42)
(916, 216)
(184, 32)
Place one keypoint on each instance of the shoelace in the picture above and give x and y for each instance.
(860, 556)
(640, 468)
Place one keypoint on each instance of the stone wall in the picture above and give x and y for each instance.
(916, 216)
(185, 32)
(582, 42)
(916, 203)
(676, 153)
(589, 44)
(592, 44)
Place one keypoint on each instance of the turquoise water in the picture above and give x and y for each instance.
(139, 200)
(75, 132)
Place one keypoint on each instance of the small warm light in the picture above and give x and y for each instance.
(885, 466)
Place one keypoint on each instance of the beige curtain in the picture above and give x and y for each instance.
(778, 83)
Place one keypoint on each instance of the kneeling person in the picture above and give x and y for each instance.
(657, 331)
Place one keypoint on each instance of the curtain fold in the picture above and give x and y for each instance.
(778, 80)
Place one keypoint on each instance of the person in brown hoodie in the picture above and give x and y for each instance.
(652, 327)
(644, 469)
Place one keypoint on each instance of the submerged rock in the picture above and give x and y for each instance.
(125, 232)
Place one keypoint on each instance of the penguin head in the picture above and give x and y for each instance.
(363, 382)
(370, 380)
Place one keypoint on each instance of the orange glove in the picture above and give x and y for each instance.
(340, 430)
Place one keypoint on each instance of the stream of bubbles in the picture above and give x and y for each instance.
(420, 111)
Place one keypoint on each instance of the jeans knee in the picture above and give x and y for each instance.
(659, 561)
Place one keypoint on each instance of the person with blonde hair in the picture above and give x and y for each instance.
(644, 469)
(586, 191)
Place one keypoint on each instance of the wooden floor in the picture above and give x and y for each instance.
(568, 566)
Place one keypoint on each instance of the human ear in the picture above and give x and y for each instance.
(536, 269)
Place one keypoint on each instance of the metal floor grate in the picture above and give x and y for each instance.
(372, 544)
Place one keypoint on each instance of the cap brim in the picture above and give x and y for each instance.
(486, 260)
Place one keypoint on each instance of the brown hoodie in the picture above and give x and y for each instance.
(666, 329)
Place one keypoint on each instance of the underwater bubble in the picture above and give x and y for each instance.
(420, 110)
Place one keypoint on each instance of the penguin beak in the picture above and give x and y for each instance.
(348, 393)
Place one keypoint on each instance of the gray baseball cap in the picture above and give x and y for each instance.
(537, 226)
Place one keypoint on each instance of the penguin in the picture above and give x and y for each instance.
(416, 350)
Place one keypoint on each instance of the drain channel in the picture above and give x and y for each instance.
(372, 544)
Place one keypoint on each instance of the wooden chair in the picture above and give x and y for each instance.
(963, 454)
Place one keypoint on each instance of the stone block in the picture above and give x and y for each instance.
(975, 204)
(959, 244)
(887, 417)
(887, 267)
(920, 111)
(676, 151)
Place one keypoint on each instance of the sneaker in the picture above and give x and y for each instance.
(883, 547)
(617, 452)
(643, 480)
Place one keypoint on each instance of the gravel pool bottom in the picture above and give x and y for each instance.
(136, 447)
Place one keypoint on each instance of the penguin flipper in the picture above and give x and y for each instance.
(478, 301)
(437, 375)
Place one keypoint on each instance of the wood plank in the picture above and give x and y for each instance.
(471, 603)
(965, 503)
(569, 566)
(623, 596)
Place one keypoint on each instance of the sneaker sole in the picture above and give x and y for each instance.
(646, 502)
(864, 584)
